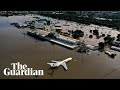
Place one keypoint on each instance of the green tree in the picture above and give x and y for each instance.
(101, 45)
(77, 34)
(108, 39)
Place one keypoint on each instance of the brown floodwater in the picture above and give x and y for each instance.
(15, 46)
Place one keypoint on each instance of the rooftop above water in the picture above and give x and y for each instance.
(65, 25)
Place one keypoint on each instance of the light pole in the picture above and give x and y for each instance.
(83, 44)
(82, 58)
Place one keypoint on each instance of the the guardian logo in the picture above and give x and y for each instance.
(20, 70)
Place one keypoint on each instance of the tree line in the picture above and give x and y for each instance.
(84, 20)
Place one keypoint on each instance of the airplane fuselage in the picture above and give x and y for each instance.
(66, 60)
(54, 64)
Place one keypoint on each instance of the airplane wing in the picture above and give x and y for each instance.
(65, 66)
(54, 61)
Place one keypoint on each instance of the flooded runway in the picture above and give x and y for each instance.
(15, 46)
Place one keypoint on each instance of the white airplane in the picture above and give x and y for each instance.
(54, 64)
